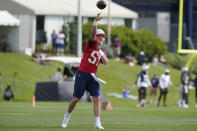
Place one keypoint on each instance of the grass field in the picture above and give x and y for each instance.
(117, 75)
(47, 116)
(28, 74)
(125, 116)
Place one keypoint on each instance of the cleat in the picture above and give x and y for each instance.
(98, 126)
(164, 105)
(179, 103)
(185, 106)
(65, 121)
(143, 105)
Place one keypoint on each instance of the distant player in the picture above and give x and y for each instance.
(195, 84)
(183, 88)
(164, 83)
(143, 82)
(85, 76)
(153, 90)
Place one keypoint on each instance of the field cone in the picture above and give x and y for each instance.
(33, 101)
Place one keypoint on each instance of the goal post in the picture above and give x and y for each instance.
(180, 37)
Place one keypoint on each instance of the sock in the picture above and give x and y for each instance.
(143, 101)
(67, 115)
(97, 120)
(183, 102)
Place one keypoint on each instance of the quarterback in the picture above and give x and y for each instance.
(85, 78)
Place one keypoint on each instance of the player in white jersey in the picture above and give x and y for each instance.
(143, 82)
(164, 83)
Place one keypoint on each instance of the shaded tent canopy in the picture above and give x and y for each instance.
(7, 19)
(70, 8)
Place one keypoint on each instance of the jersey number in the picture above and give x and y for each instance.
(94, 60)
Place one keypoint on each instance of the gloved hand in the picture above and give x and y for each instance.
(100, 53)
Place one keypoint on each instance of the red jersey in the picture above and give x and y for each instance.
(91, 59)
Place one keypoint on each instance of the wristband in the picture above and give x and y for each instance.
(100, 53)
(95, 23)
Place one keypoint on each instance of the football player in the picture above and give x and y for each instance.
(85, 76)
(153, 91)
(164, 83)
(183, 88)
(143, 82)
(195, 84)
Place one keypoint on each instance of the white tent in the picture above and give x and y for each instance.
(69, 8)
(7, 19)
(65, 60)
(56, 13)
(9, 27)
(20, 28)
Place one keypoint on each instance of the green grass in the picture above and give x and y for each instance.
(28, 74)
(47, 116)
(117, 75)
(125, 116)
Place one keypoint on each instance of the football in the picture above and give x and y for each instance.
(101, 4)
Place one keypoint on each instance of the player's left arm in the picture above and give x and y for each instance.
(161, 82)
(170, 82)
(149, 83)
(103, 56)
(104, 60)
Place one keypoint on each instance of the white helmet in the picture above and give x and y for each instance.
(100, 32)
(141, 52)
(167, 71)
(184, 69)
(145, 67)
